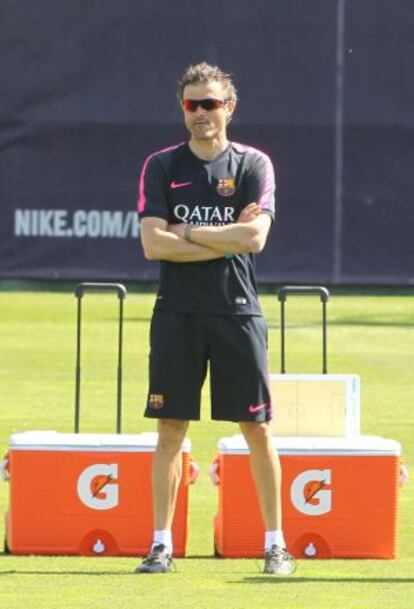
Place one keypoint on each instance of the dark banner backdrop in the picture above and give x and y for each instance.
(326, 88)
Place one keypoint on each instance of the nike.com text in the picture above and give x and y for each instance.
(80, 223)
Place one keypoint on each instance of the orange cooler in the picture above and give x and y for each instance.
(86, 494)
(339, 498)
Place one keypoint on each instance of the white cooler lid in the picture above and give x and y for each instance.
(54, 440)
(298, 445)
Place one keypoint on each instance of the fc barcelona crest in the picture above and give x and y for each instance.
(156, 401)
(226, 187)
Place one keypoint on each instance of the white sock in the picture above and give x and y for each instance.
(164, 537)
(274, 537)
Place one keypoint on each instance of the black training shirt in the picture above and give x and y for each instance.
(177, 186)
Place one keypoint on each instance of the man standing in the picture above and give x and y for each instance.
(206, 207)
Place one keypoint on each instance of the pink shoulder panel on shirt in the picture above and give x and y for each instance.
(142, 200)
(269, 184)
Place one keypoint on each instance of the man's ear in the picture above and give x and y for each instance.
(230, 106)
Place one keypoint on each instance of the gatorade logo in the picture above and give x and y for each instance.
(96, 486)
(308, 492)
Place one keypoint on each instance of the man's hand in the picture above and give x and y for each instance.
(250, 213)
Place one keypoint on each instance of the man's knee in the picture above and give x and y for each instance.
(171, 433)
(256, 434)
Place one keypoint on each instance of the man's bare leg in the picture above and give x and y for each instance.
(265, 465)
(266, 471)
(166, 477)
(167, 470)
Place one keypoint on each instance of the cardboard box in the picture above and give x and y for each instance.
(86, 494)
(339, 498)
(315, 404)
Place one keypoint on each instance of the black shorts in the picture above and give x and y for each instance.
(182, 345)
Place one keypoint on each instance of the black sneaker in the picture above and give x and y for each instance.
(157, 561)
(279, 562)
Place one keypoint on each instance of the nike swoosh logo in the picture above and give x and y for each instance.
(179, 184)
(253, 409)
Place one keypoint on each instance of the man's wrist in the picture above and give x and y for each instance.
(187, 232)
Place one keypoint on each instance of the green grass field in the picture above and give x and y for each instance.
(371, 334)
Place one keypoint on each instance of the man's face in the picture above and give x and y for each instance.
(207, 124)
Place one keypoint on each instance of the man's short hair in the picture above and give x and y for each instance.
(203, 73)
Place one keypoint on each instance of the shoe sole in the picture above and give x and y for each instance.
(139, 570)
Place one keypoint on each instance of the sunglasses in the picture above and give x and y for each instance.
(191, 105)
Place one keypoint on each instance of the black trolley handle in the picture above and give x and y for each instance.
(303, 291)
(121, 291)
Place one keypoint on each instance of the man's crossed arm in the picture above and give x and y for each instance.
(163, 241)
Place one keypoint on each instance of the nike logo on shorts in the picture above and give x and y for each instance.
(254, 409)
(179, 184)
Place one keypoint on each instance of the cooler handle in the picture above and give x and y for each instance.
(121, 291)
(101, 287)
(303, 290)
(5, 468)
